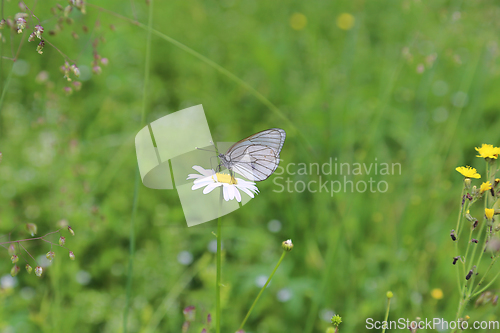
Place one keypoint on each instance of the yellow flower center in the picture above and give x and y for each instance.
(225, 178)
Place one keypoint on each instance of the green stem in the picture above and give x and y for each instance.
(219, 266)
(262, 290)
(137, 175)
(467, 251)
(461, 307)
(484, 275)
(486, 235)
(475, 247)
(386, 314)
(456, 241)
(459, 218)
(131, 252)
(487, 286)
(5, 87)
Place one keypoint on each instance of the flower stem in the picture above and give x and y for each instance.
(458, 231)
(262, 290)
(131, 254)
(461, 307)
(219, 267)
(386, 314)
(487, 286)
(484, 275)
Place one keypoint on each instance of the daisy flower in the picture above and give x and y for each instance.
(231, 186)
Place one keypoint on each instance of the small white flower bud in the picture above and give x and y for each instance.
(287, 245)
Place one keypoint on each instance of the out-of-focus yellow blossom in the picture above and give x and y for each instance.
(468, 172)
(489, 212)
(485, 187)
(298, 21)
(488, 151)
(345, 21)
(437, 293)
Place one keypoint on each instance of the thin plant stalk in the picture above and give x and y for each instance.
(387, 314)
(484, 275)
(460, 213)
(487, 286)
(219, 267)
(262, 290)
(137, 175)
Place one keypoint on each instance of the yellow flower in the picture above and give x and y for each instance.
(225, 178)
(298, 21)
(485, 187)
(468, 172)
(345, 21)
(489, 212)
(437, 293)
(488, 151)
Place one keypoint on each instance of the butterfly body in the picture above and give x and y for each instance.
(255, 157)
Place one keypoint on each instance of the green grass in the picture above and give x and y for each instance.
(352, 95)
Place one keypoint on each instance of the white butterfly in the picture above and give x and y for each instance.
(255, 157)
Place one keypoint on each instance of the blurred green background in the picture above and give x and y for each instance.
(409, 82)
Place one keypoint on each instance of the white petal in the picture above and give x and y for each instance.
(210, 187)
(237, 194)
(251, 188)
(200, 185)
(225, 191)
(204, 172)
(244, 182)
(231, 191)
(250, 194)
(208, 179)
(249, 185)
(193, 176)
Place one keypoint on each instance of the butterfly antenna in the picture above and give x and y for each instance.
(215, 147)
(204, 149)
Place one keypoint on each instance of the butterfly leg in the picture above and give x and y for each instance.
(231, 173)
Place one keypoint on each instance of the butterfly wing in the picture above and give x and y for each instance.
(257, 156)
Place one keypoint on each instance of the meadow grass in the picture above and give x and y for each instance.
(411, 82)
